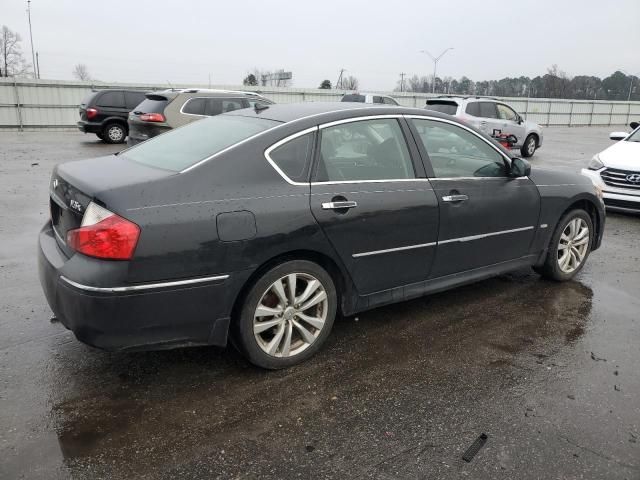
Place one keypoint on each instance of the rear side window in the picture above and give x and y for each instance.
(389, 101)
(195, 106)
(89, 98)
(111, 99)
(149, 105)
(473, 109)
(353, 97)
(377, 99)
(488, 110)
(132, 99)
(450, 108)
(186, 146)
(293, 157)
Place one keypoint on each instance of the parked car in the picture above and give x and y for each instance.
(266, 223)
(493, 118)
(162, 111)
(104, 112)
(616, 171)
(368, 98)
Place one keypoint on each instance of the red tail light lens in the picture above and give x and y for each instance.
(91, 113)
(104, 234)
(152, 117)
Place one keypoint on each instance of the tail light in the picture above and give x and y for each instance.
(152, 117)
(103, 234)
(91, 113)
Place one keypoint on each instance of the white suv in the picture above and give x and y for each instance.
(368, 98)
(493, 118)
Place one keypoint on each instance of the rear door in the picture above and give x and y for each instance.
(372, 200)
(510, 123)
(489, 122)
(112, 103)
(486, 216)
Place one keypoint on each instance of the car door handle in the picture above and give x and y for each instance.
(339, 205)
(455, 198)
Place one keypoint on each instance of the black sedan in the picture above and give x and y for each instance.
(265, 224)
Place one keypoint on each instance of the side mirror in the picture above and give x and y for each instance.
(520, 168)
(634, 125)
(520, 120)
(618, 135)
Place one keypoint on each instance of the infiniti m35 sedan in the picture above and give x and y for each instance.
(263, 225)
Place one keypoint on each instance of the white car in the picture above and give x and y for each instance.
(368, 98)
(616, 171)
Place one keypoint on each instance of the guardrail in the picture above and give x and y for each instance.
(27, 104)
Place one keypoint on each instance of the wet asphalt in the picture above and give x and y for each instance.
(549, 371)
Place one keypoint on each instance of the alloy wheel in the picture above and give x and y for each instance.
(115, 133)
(573, 245)
(531, 146)
(290, 315)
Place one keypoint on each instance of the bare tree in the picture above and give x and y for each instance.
(12, 62)
(349, 83)
(81, 72)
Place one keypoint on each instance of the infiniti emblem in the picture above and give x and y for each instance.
(633, 178)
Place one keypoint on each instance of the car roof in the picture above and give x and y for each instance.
(207, 92)
(469, 98)
(328, 111)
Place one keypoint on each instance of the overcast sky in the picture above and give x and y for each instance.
(158, 41)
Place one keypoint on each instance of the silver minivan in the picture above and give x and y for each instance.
(493, 118)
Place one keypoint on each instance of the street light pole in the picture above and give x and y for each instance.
(33, 55)
(630, 83)
(435, 65)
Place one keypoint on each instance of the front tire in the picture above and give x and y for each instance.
(114, 133)
(569, 247)
(287, 315)
(529, 146)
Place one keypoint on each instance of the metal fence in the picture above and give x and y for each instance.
(42, 104)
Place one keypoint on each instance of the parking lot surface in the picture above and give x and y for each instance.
(549, 371)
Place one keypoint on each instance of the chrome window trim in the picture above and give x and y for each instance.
(440, 242)
(279, 143)
(146, 286)
(340, 182)
(359, 119)
(397, 249)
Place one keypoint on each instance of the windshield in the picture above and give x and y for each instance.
(635, 136)
(186, 146)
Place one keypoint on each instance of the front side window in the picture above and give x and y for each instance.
(506, 113)
(364, 150)
(186, 146)
(377, 99)
(456, 152)
(293, 157)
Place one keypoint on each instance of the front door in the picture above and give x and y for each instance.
(510, 121)
(380, 217)
(486, 216)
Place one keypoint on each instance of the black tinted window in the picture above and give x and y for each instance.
(389, 101)
(111, 99)
(195, 106)
(353, 97)
(488, 110)
(450, 108)
(364, 150)
(88, 99)
(293, 157)
(473, 109)
(377, 99)
(151, 106)
(132, 99)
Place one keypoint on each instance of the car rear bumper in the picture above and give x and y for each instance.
(134, 317)
(89, 127)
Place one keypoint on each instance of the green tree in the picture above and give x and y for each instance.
(250, 80)
(325, 85)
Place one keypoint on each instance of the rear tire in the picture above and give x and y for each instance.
(114, 133)
(273, 329)
(573, 236)
(529, 146)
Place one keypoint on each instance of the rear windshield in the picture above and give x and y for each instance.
(186, 146)
(353, 97)
(449, 108)
(151, 106)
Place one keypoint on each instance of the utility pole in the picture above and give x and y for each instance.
(33, 55)
(38, 64)
(338, 83)
(630, 83)
(402, 81)
(435, 65)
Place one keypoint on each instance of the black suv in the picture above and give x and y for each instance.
(104, 112)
